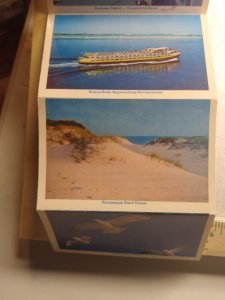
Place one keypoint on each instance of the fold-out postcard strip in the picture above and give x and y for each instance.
(124, 145)
(127, 56)
(128, 6)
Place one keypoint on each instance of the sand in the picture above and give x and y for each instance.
(118, 173)
(193, 161)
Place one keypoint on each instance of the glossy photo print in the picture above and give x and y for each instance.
(142, 234)
(128, 2)
(127, 52)
(137, 150)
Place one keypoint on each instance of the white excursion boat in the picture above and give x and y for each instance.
(153, 55)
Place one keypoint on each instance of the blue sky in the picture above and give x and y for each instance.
(128, 24)
(134, 117)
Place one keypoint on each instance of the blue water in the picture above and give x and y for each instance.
(187, 74)
(141, 140)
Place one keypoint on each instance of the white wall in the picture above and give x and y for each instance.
(216, 22)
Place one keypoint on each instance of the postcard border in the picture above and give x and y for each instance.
(43, 91)
(44, 203)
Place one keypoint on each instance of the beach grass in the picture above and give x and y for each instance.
(169, 162)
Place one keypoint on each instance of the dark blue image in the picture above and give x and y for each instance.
(136, 233)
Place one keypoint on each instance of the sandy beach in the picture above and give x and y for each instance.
(116, 172)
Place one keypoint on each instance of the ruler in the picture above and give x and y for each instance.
(215, 245)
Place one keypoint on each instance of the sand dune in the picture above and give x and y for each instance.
(193, 157)
(115, 172)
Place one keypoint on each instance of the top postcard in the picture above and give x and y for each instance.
(159, 56)
(128, 6)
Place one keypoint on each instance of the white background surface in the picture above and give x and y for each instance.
(42, 274)
(216, 21)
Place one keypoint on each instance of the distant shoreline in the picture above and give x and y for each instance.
(74, 36)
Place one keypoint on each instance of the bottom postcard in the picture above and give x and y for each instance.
(154, 235)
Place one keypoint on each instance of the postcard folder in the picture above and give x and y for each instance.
(127, 133)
